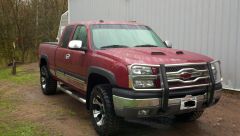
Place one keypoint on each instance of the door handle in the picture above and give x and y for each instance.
(67, 56)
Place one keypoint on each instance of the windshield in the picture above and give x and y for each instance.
(124, 36)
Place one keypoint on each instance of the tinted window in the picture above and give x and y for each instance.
(66, 36)
(81, 34)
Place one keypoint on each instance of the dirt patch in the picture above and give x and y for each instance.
(65, 116)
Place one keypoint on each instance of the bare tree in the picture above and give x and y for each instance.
(27, 23)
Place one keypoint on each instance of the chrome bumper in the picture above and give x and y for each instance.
(127, 107)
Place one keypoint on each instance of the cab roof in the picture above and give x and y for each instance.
(106, 22)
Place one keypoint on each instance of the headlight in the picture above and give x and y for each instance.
(141, 70)
(142, 77)
(216, 69)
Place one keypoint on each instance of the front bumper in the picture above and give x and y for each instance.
(132, 104)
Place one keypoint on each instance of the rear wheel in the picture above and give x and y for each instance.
(102, 112)
(48, 84)
(192, 116)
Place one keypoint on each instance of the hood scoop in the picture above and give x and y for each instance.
(158, 53)
(179, 52)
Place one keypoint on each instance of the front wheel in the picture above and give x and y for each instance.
(102, 112)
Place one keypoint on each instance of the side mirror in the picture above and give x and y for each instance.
(75, 44)
(168, 44)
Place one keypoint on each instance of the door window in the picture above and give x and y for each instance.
(66, 36)
(81, 34)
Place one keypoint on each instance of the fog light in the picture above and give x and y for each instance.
(143, 112)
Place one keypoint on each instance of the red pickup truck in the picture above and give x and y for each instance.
(123, 70)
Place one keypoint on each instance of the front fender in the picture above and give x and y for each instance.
(103, 72)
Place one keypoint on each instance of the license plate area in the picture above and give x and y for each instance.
(188, 102)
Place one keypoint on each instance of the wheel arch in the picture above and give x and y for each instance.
(43, 60)
(97, 75)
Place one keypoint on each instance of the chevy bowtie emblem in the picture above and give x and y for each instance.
(185, 75)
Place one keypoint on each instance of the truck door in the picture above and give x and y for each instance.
(77, 71)
(63, 57)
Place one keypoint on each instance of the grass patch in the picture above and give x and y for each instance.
(21, 129)
(9, 126)
(22, 77)
(7, 105)
(63, 112)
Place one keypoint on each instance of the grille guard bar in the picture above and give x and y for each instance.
(164, 82)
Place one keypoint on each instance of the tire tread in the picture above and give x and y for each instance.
(113, 122)
(51, 84)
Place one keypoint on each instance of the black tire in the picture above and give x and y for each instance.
(48, 84)
(191, 116)
(110, 125)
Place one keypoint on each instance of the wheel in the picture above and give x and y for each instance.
(102, 112)
(192, 116)
(48, 84)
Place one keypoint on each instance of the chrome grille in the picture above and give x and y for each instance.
(174, 68)
(187, 75)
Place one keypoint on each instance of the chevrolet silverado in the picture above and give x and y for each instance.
(123, 70)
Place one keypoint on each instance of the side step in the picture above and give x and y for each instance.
(74, 95)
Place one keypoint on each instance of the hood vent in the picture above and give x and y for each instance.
(179, 52)
(158, 53)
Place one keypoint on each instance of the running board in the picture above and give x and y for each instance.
(82, 100)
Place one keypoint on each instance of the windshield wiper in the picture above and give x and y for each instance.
(114, 46)
(146, 45)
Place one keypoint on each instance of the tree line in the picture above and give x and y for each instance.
(26, 23)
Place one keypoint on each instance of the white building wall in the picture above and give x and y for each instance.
(210, 27)
(64, 22)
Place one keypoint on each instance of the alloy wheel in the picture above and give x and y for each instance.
(98, 110)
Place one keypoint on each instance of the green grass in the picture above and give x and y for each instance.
(22, 77)
(7, 105)
(21, 129)
(63, 112)
(9, 126)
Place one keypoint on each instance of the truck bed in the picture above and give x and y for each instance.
(51, 43)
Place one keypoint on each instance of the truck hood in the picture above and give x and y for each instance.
(152, 55)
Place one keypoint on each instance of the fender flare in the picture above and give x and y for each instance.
(103, 72)
(44, 57)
